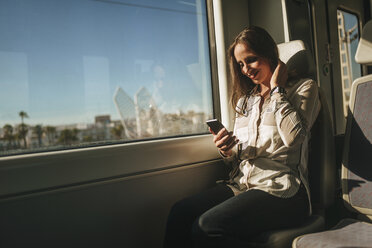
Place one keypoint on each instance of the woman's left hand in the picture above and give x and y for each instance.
(280, 75)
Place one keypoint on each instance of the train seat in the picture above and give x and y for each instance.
(356, 176)
(321, 165)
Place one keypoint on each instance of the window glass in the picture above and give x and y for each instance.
(84, 72)
(348, 36)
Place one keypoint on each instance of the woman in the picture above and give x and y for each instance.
(268, 185)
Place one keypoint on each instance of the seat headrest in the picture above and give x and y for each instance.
(364, 51)
(297, 58)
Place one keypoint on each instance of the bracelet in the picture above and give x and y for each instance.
(277, 89)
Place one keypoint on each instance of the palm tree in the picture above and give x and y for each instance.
(51, 134)
(75, 132)
(68, 136)
(23, 115)
(8, 134)
(38, 130)
(23, 131)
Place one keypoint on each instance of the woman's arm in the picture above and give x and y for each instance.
(295, 118)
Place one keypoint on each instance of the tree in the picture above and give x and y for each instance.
(24, 130)
(117, 131)
(23, 115)
(51, 134)
(68, 136)
(8, 134)
(38, 130)
(88, 138)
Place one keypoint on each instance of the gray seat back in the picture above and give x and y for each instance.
(298, 58)
(357, 160)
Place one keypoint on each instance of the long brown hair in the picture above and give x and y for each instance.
(259, 41)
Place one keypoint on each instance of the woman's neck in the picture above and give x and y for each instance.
(264, 90)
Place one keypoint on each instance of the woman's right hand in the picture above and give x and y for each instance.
(280, 75)
(224, 141)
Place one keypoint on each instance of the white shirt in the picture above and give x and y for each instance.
(274, 140)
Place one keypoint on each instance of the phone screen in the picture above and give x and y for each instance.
(215, 125)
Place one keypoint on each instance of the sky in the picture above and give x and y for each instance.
(62, 61)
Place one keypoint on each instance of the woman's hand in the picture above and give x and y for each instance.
(224, 141)
(280, 75)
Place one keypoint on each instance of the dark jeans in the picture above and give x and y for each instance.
(217, 218)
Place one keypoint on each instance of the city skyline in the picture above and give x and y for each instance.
(148, 123)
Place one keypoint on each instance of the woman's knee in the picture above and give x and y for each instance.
(207, 232)
(208, 224)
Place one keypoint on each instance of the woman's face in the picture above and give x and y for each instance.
(256, 68)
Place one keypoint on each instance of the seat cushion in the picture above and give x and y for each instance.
(283, 238)
(347, 233)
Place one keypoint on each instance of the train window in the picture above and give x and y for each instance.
(348, 37)
(91, 72)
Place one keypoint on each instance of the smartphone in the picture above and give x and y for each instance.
(215, 125)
